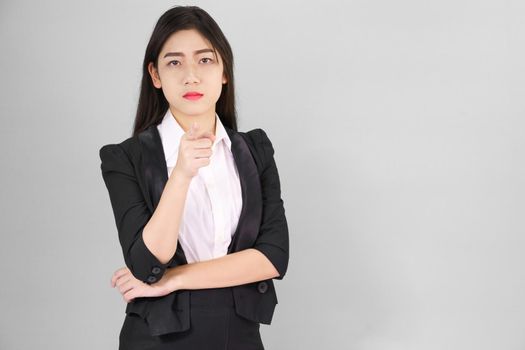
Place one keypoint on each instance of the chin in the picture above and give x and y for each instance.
(194, 111)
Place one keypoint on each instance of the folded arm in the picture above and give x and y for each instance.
(241, 267)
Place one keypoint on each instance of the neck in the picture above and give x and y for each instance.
(206, 121)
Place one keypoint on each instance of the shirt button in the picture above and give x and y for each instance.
(155, 270)
(151, 279)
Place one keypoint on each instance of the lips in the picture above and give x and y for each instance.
(192, 94)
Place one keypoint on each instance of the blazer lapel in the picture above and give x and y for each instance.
(153, 162)
(251, 212)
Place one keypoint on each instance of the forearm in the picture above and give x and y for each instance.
(162, 231)
(245, 266)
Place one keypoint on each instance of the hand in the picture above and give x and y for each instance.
(194, 151)
(131, 287)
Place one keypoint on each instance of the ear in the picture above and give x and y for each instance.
(154, 75)
(224, 80)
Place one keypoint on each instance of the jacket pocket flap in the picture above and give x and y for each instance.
(138, 306)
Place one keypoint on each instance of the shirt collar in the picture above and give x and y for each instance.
(170, 133)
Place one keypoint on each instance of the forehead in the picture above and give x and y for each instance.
(186, 40)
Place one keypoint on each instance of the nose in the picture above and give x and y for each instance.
(190, 76)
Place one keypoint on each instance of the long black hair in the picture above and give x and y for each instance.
(152, 105)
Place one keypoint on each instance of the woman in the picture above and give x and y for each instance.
(197, 204)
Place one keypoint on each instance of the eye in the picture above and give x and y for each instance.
(207, 58)
(170, 62)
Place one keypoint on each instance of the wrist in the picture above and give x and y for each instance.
(179, 177)
(176, 278)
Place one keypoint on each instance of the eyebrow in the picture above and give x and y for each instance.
(181, 54)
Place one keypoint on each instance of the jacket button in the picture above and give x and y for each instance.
(262, 287)
(155, 270)
(151, 279)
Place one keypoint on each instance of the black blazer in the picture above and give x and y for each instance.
(135, 173)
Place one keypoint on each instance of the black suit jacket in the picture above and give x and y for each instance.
(135, 174)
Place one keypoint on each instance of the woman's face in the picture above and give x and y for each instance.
(187, 63)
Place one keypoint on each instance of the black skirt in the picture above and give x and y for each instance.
(214, 326)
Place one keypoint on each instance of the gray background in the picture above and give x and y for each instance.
(398, 130)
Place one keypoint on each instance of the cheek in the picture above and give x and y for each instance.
(169, 85)
(219, 78)
(218, 89)
(170, 91)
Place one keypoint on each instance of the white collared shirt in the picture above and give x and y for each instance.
(214, 200)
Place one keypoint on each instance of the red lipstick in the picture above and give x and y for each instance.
(192, 95)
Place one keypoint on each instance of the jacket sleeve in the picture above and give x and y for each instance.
(131, 213)
(272, 240)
